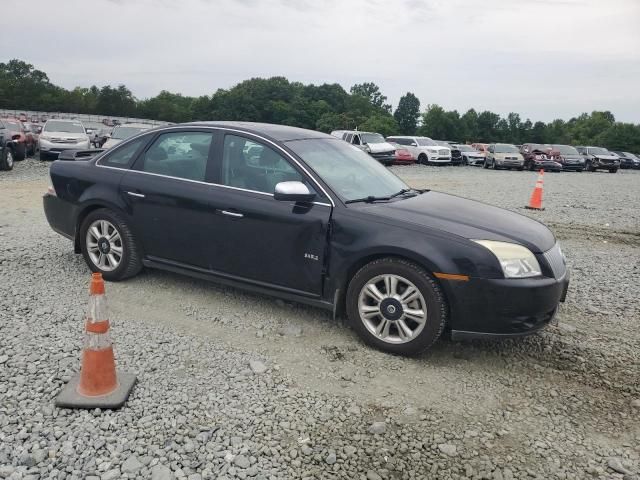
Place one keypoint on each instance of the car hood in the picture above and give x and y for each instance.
(380, 147)
(606, 157)
(572, 157)
(467, 218)
(76, 136)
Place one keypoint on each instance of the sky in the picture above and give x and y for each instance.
(543, 59)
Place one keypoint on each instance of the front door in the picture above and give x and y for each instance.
(168, 197)
(276, 243)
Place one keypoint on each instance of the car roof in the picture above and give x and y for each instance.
(281, 133)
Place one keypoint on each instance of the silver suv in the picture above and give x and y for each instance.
(504, 155)
(59, 135)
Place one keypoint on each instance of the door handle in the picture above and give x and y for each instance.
(231, 214)
(134, 194)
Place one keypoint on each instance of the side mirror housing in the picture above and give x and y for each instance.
(414, 144)
(293, 192)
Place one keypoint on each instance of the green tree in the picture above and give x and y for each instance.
(407, 114)
(372, 92)
(382, 124)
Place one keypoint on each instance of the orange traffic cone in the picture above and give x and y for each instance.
(98, 385)
(535, 203)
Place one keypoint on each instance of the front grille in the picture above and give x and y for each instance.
(511, 158)
(443, 153)
(65, 140)
(555, 260)
(389, 154)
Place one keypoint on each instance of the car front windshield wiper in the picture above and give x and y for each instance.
(373, 198)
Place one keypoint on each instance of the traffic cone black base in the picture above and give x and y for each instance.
(533, 208)
(70, 398)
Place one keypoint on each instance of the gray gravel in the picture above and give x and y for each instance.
(236, 385)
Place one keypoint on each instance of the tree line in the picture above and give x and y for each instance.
(323, 107)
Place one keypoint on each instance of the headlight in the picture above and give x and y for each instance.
(45, 137)
(516, 261)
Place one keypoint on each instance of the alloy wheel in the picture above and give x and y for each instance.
(392, 308)
(9, 158)
(104, 245)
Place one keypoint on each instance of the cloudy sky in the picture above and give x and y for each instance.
(545, 59)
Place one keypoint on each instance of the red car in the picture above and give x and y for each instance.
(403, 157)
(13, 129)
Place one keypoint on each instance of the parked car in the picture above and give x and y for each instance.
(124, 131)
(539, 157)
(598, 158)
(100, 137)
(470, 156)
(372, 143)
(483, 148)
(32, 133)
(16, 140)
(60, 135)
(456, 155)
(403, 156)
(314, 220)
(503, 155)
(568, 156)
(424, 149)
(628, 160)
(6, 149)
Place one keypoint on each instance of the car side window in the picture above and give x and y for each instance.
(254, 166)
(123, 156)
(348, 137)
(179, 154)
(356, 140)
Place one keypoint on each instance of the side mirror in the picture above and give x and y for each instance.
(414, 144)
(293, 192)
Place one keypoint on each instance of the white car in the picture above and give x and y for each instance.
(424, 149)
(124, 131)
(470, 156)
(59, 135)
(372, 143)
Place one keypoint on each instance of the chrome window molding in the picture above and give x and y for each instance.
(173, 128)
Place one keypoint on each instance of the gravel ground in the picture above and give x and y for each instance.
(232, 384)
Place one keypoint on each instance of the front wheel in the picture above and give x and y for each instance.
(6, 159)
(396, 306)
(423, 159)
(108, 245)
(613, 170)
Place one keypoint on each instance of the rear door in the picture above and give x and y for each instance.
(257, 238)
(167, 192)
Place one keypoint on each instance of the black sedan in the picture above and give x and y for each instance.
(628, 160)
(305, 216)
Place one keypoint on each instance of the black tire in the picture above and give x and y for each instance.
(6, 159)
(613, 170)
(20, 152)
(131, 261)
(436, 304)
(520, 169)
(43, 156)
(423, 159)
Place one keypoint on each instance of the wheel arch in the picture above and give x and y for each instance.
(353, 267)
(84, 211)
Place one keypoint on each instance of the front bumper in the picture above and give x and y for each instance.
(482, 308)
(437, 159)
(573, 166)
(55, 148)
(510, 163)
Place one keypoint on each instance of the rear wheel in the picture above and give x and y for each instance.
(6, 159)
(396, 306)
(108, 245)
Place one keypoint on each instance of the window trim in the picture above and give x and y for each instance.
(121, 145)
(154, 133)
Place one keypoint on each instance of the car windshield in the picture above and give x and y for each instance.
(426, 142)
(350, 172)
(372, 138)
(465, 148)
(442, 143)
(599, 151)
(502, 148)
(565, 149)
(67, 127)
(121, 133)
(13, 126)
(630, 155)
